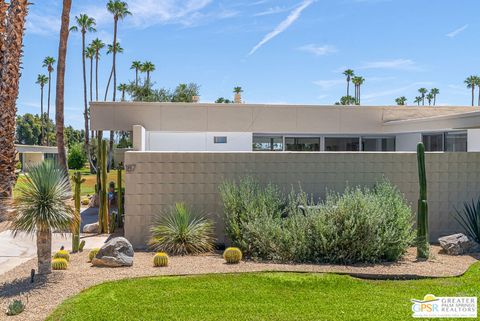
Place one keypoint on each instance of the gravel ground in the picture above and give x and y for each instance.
(47, 293)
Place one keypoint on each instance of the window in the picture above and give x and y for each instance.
(220, 139)
(433, 142)
(268, 143)
(342, 144)
(302, 144)
(456, 141)
(378, 144)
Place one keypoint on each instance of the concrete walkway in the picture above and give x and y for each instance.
(17, 250)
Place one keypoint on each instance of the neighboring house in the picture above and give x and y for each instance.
(249, 127)
(29, 155)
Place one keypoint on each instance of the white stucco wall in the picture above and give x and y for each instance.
(473, 140)
(198, 141)
(407, 142)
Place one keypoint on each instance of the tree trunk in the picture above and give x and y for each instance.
(108, 84)
(359, 101)
(60, 91)
(85, 110)
(11, 40)
(42, 135)
(91, 79)
(114, 69)
(48, 102)
(96, 76)
(434, 100)
(473, 95)
(44, 251)
(136, 76)
(348, 88)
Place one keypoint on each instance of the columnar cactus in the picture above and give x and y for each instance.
(232, 255)
(103, 210)
(160, 259)
(62, 254)
(81, 246)
(119, 195)
(422, 215)
(77, 180)
(59, 264)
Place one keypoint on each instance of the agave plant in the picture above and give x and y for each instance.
(42, 206)
(180, 232)
(469, 219)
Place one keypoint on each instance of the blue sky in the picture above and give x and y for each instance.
(279, 51)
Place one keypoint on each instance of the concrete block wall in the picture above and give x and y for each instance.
(156, 180)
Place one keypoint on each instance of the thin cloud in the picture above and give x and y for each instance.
(271, 11)
(284, 25)
(329, 84)
(318, 50)
(455, 32)
(397, 64)
(396, 91)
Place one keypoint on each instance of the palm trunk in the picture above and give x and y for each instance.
(91, 79)
(108, 84)
(11, 31)
(348, 88)
(434, 99)
(44, 251)
(42, 135)
(96, 76)
(48, 102)
(473, 95)
(359, 101)
(60, 91)
(85, 110)
(478, 96)
(123, 94)
(114, 69)
(136, 76)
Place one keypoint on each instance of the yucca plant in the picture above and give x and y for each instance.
(180, 232)
(42, 206)
(469, 219)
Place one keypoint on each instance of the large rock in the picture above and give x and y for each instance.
(91, 228)
(458, 244)
(115, 253)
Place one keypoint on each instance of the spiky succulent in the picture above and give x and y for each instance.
(62, 254)
(92, 254)
(160, 259)
(59, 264)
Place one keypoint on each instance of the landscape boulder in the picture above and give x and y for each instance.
(91, 228)
(458, 244)
(115, 253)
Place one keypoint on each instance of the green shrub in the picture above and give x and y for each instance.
(232, 255)
(15, 308)
(160, 259)
(62, 254)
(361, 225)
(180, 232)
(76, 157)
(469, 219)
(59, 264)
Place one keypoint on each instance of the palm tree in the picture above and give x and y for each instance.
(60, 90)
(430, 98)
(418, 100)
(42, 206)
(12, 18)
(435, 92)
(401, 101)
(119, 10)
(349, 74)
(477, 82)
(97, 45)
(42, 81)
(110, 49)
(84, 24)
(423, 92)
(358, 82)
(238, 94)
(347, 100)
(471, 82)
(148, 67)
(90, 54)
(137, 65)
(48, 62)
(122, 88)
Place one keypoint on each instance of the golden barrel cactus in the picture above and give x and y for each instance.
(92, 254)
(232, 255)
(160, 259)
(62, 254)
(59, 264)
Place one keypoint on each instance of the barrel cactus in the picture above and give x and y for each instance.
(160, 259)
(62, 254)
(59, 264)
(85, 201)
(232, 255)
(92, 254)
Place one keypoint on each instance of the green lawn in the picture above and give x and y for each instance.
(260, 296)
(88, 188)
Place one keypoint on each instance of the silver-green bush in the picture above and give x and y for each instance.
(360, 225)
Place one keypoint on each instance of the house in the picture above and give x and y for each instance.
(184, 152)
(277, 128)
(28, 155)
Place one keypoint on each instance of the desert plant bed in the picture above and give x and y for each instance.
(45, 295)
